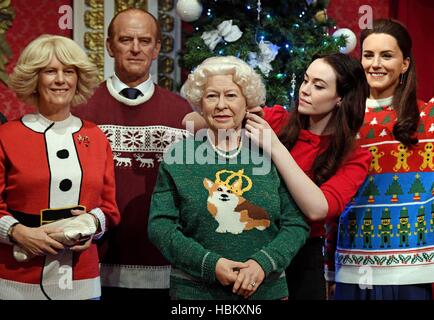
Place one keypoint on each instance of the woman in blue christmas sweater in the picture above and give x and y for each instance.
(385, 247)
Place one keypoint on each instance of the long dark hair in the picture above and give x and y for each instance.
(352, 87)
(404, 97)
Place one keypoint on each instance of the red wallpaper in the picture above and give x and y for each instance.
(346, 14)
(30, 21)
(418, 17)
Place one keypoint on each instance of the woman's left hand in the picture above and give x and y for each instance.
(83, 246)
(260, 132)
(249, 279)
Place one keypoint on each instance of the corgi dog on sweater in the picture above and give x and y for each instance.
(233, 213)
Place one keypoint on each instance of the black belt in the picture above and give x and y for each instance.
(46, 216)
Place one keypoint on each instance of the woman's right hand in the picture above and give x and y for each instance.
(257, 110)
(260, 132)
(226, 271)
(36, 241)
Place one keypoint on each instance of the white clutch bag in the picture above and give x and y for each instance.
(75, 229)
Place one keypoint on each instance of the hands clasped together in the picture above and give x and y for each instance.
(246, 277)
(74, 233)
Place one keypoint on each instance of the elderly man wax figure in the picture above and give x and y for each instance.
(141, 120)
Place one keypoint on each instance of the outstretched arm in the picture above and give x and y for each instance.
(317, 203)
(306, 193)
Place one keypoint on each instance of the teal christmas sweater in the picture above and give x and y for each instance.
(386, 235)
(209, 207)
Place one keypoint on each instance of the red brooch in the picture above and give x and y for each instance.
(85, 140)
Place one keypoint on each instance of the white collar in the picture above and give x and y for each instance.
(143, 87)
(114, 86)
(375, 103)
(37, 122)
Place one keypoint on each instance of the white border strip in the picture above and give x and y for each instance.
(81, 290)
(393, 204)
(364, 275)
(392, 142)
(135, 276)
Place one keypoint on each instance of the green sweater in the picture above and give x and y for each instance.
(201, 213)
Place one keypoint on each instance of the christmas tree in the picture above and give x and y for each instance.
(394, 189)
(371, 133)
(278, 38)
(417, 188)
(371, 190)
(386, 119)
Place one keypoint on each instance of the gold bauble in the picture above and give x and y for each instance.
(321, 16)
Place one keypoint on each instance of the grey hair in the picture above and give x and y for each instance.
(244, 76)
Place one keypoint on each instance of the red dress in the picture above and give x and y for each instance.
(46, 164)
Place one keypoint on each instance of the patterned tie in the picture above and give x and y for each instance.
(130, 93)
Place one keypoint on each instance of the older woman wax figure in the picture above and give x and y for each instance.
(228, 230)
(53, 166)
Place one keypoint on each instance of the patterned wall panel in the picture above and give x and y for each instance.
(30, 22)
(91, 19)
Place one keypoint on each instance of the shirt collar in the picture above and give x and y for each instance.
(144, 87)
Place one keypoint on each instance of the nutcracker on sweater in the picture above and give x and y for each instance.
(385, 230)
(420, 226)
(367, 229)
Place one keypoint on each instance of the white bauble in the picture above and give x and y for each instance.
(189, 10)
(350, 38)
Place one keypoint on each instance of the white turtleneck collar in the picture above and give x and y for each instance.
(115, 85)
(37, 122)
(375, 103)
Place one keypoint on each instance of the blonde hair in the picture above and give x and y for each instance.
(38, 54)
(244, 76)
